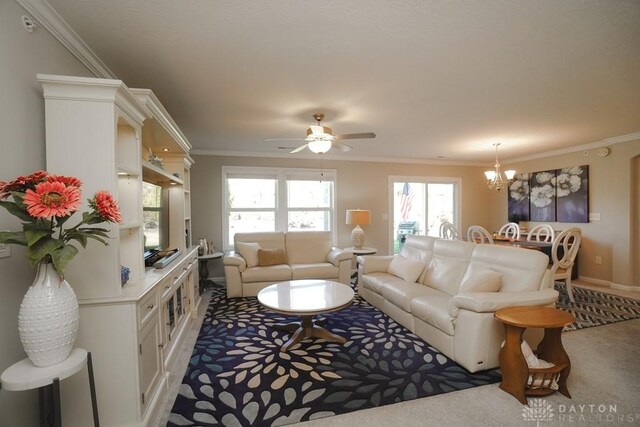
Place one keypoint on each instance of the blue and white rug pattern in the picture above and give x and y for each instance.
(237, 375)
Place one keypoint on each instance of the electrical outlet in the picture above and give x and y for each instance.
(5, 250)
(598, 260)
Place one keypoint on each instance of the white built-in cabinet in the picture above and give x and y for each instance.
(100, 131)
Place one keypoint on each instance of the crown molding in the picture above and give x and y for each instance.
(590, 146)
(47, 16)
(222, 153)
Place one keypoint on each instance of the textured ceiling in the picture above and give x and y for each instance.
(430, 78)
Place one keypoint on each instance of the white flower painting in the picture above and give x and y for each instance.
(572, 188)
(543, 196)
(518, 198)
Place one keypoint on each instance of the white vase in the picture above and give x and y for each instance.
(48, 318)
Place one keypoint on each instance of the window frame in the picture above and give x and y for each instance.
(457, 198)
(281, 210)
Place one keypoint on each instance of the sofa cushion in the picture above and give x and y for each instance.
(323, 270)
(400, 293)
(433, 309)
(308, 247)
(266, 240)
(274, 273)
(267, 257)
(521, 269)
(377, 281)
(482, 281)
(248, 251)
(406, 268)
(420, 248)
(449, 264)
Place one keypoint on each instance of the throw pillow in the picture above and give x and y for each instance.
(408, 269)
(248, 251)
(267, 257)
(482, 281)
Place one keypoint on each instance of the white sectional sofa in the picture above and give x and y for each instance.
(308, 255)
(446, 292)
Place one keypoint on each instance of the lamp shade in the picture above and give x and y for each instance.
(358, 217)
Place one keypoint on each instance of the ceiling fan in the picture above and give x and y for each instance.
(320, 138)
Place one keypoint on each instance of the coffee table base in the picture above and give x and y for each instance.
(307, 328)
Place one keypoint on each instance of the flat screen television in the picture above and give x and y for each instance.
(155, 216)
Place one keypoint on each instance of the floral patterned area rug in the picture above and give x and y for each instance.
(593, 308)
(237, 375)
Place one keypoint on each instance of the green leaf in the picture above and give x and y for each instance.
(16, 211)
(61, 220)
(16, 237)
(34, 235)
(41, 249)
(94, 237)
(62, 256)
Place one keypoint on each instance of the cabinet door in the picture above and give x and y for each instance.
(150, 360)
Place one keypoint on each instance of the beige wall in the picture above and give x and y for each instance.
(613, 193)
(362, 185)
(22, 56)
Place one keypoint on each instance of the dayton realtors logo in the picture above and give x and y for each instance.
(538, 410)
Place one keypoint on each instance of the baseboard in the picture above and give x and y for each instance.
(600, 282)
(608, 284)
(628, 288)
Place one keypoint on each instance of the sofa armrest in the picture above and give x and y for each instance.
(336, 255)
(233, 259)
(374, 263)
(488, 302)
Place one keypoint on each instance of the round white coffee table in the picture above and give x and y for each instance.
(306, 298)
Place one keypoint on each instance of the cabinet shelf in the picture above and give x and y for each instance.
(127, 171)
(158, 175)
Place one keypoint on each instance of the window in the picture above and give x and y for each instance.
(154, 215)
(419, 205)
(263, 199)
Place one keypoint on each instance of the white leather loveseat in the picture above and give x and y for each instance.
(446, 292)
(307, 255)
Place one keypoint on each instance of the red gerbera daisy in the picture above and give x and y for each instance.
(106, 206)
(50, 199)
(21, 183)
(66, 180)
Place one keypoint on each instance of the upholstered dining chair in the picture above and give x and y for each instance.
(541, 233)
(569, 242)
(449, 231)
(510, 230)
(478, 234)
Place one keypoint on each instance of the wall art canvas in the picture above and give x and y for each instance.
(518, 198)
(572, 194)
(543, 196)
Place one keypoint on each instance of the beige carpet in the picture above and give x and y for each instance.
(605, 371)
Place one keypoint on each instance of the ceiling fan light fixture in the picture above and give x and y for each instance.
(319, 145)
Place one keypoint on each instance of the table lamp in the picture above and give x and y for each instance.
(358, 217)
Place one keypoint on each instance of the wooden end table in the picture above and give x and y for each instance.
(515, 371)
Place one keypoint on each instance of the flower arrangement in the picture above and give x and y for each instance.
(44, 203)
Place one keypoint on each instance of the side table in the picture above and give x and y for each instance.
(515, 371)
(203, 261)
(355, 253)
(24, 375)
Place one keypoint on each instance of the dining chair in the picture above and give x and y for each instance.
(510, 230)
(541, 233)
(449, 231)
(478, 234)
(569, 242)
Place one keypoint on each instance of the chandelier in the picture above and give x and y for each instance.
(494, 177)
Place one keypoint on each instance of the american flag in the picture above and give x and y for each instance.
(406, 201)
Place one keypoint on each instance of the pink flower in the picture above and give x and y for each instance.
(106, 206)
(51, 199)
(21, 183)
(66, 180)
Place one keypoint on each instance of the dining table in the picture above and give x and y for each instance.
(544, 247)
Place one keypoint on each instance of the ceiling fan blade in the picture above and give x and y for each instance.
(365, 135)
(282, 139)
(299, 149)
(342, 146)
